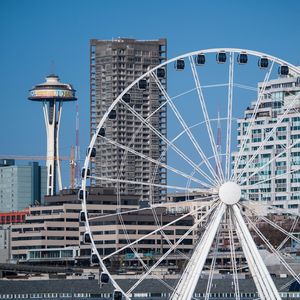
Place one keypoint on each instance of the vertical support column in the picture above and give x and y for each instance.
(57, 124)
(49, 108)
(186, 286)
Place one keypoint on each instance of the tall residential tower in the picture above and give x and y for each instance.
(114, 65)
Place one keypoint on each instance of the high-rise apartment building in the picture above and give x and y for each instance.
(280, 179)
(20, 185)
(114, 65)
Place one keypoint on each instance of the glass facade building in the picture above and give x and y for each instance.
(21, 185)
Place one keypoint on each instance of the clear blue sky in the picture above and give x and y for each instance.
(35, 32)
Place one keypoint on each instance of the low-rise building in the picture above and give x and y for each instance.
(52, 233)
(5, 247)
(56, 225)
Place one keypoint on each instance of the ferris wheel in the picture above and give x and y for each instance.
(230, 116)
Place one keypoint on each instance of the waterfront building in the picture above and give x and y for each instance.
(114, 64)
(21, 186)
(52, 234)
(149, 289)
(280, 179)
(55, 226)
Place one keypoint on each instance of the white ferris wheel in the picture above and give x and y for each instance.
(207, 95)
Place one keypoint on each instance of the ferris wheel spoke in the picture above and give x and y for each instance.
(257, 170)
(143, 183)
(229, 117)
(194, 89)
(157, 162)
(276, 226)
(173, 247)
(287, 237)
(203, 87)
(272, 208)
(206, 118)
(270, 134)
(273, 250)
(172, 146)
(274, 177)
(192, 212)
(233, 256)
(154, 206)
(139, 257)
(252, 120)
(245, 87)
(185, 127)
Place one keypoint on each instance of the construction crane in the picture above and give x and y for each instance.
(72, 168)
(32, 157)
(77, 169)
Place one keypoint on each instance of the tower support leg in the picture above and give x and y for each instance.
(52, 115)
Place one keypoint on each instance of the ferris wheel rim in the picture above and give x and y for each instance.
(151, 71)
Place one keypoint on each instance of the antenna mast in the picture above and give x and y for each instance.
(77, 150)
(219, 142)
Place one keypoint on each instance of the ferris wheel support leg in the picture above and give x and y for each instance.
(266, 287)
(187, 283)
(251, 263)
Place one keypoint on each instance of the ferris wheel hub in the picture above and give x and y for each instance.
(230, 193)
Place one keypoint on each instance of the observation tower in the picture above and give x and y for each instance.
(52, 94)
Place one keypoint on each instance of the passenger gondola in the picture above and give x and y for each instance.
(221, 57)
(179, 64)
(94, 259)
(112, 114)
(161, 73)
(101, 132)
(88, 172)
(263, 62)
(117, 295)
(142, 84)
(93, 152)
(126, 98)
(242, 58)
(87, 238)
(104, 278)
(200, 59)
(283, 70)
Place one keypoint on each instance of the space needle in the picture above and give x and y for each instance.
(52, 94)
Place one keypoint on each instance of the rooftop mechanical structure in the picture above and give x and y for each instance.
(52, 94)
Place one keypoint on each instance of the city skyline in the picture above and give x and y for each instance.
(189, 119)
(37, 48)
